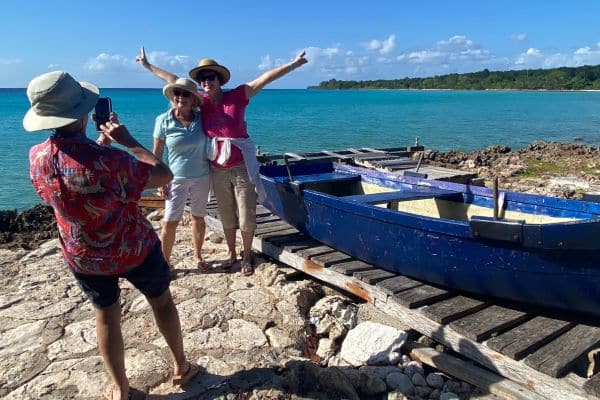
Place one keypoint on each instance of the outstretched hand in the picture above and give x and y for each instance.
(142, 57)
(300, 60)
(118, 133)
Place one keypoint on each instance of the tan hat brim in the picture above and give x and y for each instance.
(168, 91)
(33, 122)
(222, 71)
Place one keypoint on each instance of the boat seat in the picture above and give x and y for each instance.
(422, 192)
(327, 177)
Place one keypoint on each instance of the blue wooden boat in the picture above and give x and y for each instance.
(539, 250)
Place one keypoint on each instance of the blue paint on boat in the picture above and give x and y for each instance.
(550, 264)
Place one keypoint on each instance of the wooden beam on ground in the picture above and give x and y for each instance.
(470, 373)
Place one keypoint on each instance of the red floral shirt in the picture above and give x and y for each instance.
(94, 192)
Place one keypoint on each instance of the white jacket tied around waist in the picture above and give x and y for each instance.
(248, 149)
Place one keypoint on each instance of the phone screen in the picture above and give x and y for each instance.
(102, 111)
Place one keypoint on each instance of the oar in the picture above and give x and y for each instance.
(287, 166)
(495, 189)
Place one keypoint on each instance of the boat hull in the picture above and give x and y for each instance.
(439, 251)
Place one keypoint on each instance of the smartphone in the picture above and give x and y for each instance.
(102, 111)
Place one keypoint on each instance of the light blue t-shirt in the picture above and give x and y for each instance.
(186, 147)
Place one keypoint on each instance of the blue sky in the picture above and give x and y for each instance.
(98, 40)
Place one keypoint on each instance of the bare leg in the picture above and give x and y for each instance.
(198, 231)
(247, 237)
(110, 344)
(167, 320)
(230, 239)
(167, 237)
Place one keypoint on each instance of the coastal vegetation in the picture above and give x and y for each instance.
(565, 78)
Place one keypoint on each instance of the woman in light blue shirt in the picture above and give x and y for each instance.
(180, 131)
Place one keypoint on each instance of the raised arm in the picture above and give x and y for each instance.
(252, 88)
(159, 72)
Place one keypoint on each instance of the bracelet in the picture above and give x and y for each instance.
(291, 66)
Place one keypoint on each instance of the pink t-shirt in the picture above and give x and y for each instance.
(227, 120)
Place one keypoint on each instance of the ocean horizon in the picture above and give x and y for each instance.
(302, 120)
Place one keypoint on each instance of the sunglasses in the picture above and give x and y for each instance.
(208, 77)
(181, 93)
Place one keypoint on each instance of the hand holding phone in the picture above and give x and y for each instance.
(102, 110)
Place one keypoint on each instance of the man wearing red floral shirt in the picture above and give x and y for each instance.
(94, 190)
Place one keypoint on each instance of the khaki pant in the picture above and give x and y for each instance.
(236, 197)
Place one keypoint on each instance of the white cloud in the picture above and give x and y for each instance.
(163, 58)
(382, 46)
(53, 66)
(518, 37)
(10, 61)
(535, 58)
(265, 63)
(108, 62)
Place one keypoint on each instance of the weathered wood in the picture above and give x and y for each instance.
(397, 284)
(528, 337)
(373, 276)
(350, 267)
(281, 239)
(294, 247)
(276, 234)
(272, 227)
(470, 373)
(554, 358)
(315, 251)
(327, 260)
(420, 296)
(488, 322)
(453, 308)
(262, 210)
(592, 386)
(267, 218)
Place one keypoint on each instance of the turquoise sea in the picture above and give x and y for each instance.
(310, 120)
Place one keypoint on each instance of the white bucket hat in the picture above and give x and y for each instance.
(182, 84)
(57, 100)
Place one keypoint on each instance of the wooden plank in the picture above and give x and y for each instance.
(452, 309)
(295, 156)
(271, 227)
(262, 210)
(373, 150)
(336, 155)
(528, 337)
(488, 322)
(420, 296)
(372, 277)
(315, 251)
(350, 267)
(288, 238)
(327, 260)
(466, 371)
(300, 245)
(592, 386)
(267, 218)
(397, 284)
(554, 358)
(535, 381)
(276, 234)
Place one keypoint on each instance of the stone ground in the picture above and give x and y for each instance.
(252, 335)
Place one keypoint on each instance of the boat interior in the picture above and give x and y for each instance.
(415, 199)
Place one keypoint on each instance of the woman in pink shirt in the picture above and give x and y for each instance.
(223, 116)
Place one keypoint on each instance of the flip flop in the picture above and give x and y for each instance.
(183, 379)
(246, 269)
(133, 394)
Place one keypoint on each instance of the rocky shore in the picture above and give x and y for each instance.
(275, 335)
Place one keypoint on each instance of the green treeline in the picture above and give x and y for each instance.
(564, 78)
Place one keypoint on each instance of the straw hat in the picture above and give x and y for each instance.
(57, 100)
(182, 84)
(212, 65)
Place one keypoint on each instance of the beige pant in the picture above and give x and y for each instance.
(235, 197)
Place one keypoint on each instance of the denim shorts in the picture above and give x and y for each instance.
(152, 278)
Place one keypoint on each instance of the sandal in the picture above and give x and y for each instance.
(203, 266)
(247, 269)
(133, 394)
(183, 379)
